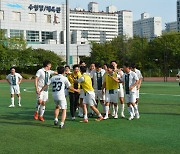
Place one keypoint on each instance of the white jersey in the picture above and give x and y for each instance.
(97, 79)
(138, 72)
(43, 76)
(14, 79)
(59, 83)
(129, 79)
(119, 75)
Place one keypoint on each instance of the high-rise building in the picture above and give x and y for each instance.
(125, 23)
(148, 27)
(171, 27)
(178, 15)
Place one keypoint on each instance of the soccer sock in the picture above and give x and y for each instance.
(136, 109)
(37, 107)
(122, 108)
(130, 111)
(113, 111)
(80, 111)
(85, 116)
(19, 100)
(62, 124)
(56, 119)
(42, 110)
(107, 110)
(12, 100)
(132, 108)
(99, 115)
(116, 109)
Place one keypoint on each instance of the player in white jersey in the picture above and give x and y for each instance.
(97, 78)
(130, 81)
(42, 78)
(14, 79)
(178, 75)
(139, 75)
(59, 83)
(120, 89)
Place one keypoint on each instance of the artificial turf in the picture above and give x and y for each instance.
(157, 131)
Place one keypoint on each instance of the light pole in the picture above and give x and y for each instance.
(67, 33)
(77, 54)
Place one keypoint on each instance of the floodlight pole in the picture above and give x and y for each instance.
(67, 33)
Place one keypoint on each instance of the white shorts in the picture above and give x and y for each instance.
(112, 97)
(61, 103)
(130, 98)
(89, 98)
(15, 89)
(137, 94)
(99, 95)
(120, 92)
(43, 96)
(81, 94)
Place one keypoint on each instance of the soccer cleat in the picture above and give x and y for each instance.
(61, 126)
(116, 116)
(137, 116)
(100, 118)
(130, 118)
(55, 123)
(11, 105)
(113, 114)
(41, 118)
(122, 115)
(19, 105)
(36, 115)
(73, 118)
(85, 121)
(106, 117)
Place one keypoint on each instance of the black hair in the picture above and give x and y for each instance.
(126, 64)
(111, 67)
(81, 62)
(46, 63)
(12, 68)
(74, 66)
(60, 70)
(113, 61)
(98, 65)
(133, 65)
(83, 69)
(67, 66)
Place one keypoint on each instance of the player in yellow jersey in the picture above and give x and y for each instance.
(89, 95)
(74, 96)
(111, 84)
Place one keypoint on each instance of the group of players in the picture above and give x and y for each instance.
(85, 88)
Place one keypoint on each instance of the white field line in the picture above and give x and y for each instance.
(160, 94)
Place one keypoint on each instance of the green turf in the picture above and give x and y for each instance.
(157, 131)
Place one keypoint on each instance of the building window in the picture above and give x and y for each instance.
(32, 36)
(47, 18)
(16, 33)
(1, 15)
(46, 36)
(32, 17)
(16, 16)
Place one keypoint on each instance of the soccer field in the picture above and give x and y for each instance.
(157, 131)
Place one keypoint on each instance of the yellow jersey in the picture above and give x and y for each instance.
(74, 77)
(110, 83)
(87, 83)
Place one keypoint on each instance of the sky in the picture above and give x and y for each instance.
(160, 8)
